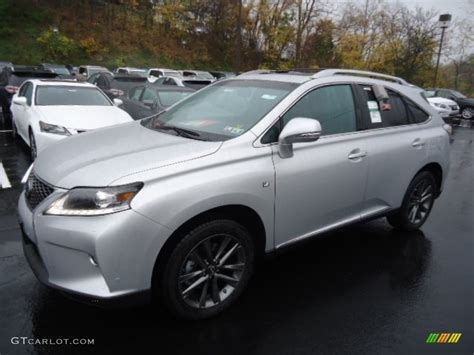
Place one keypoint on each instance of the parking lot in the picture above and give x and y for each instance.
(366, 289)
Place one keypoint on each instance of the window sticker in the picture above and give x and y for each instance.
(268, 97)
(375, 116)
(236, 131)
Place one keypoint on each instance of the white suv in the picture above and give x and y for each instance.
(178, 206)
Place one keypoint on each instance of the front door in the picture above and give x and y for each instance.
(323, 184)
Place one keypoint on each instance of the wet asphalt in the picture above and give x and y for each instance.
(365, 289)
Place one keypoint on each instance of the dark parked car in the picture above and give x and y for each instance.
(220, 75)
(116, 85)
(147, 100)
(11, 78)
(466, 104)
(188, 82)
(5, 64)
(62, 71)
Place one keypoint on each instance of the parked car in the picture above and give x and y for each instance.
(11, 78)
(61, 70)
(155, 73)
(219, 75)
(46, 111)
(192, 83)
(178, 207)
(198, 74)
(466, 105)
(5, 64)
(448, 109)
(85, 71)
(116, 86)
(147, 100)
(133, 71)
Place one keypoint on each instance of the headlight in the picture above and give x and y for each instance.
(443, 106)
(93, 201)
(52, 128)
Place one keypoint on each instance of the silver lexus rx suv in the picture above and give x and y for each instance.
(177, 207)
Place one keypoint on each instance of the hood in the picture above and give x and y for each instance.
(466, 101)
(100, 157)
(441, 100)
(83, 117)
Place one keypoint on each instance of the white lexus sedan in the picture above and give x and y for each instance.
(45, 111)
(445, 107)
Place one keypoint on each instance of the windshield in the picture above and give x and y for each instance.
(430, 93)
(168, 98)
(224, 110)
(70, 95)
(203, 74)
(458, 94)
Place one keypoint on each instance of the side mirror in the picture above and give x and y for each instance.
(297, 130)
(20, 100)
(118, 102)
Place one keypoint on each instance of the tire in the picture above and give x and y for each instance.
(468, 113)
(193, 285)
(33, 147)
(417, 203)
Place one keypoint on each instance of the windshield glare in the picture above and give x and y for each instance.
(168, 98)
(70, 95)
(226, 109)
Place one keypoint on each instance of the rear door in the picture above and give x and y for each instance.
(397, 145)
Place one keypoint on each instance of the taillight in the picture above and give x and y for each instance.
(116, 92)
(11, 89)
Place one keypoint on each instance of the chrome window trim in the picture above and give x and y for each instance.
(258, 144)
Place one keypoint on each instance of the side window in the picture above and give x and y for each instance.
(393, 113)
(417, 115)
(93, 78)
(82, 71)
(122, 71)
(333, 106)
(149, 97)
(22, 90)
(170, 81)
(135, 93)
(28, 93)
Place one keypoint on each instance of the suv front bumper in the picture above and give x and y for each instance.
(101, 260)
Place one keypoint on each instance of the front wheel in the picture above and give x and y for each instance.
(208, 270)
(417, 203)
(468, 113)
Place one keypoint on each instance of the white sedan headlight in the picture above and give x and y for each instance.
(443, 106)
(52, 128)
(94, 201)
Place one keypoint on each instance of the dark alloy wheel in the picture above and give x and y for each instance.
(33, 148)
(468, 113)
(208, 269)
(417, 203)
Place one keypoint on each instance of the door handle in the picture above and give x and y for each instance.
(356, 154)
(417, 143)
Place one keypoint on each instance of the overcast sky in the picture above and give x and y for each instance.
(457, 8)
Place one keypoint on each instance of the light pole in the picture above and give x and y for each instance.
(443, 21)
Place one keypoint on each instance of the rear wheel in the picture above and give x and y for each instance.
(208, 270)
(417, 203)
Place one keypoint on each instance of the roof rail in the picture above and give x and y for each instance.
(369, 74)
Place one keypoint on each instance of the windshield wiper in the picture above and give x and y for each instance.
(183, 132)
